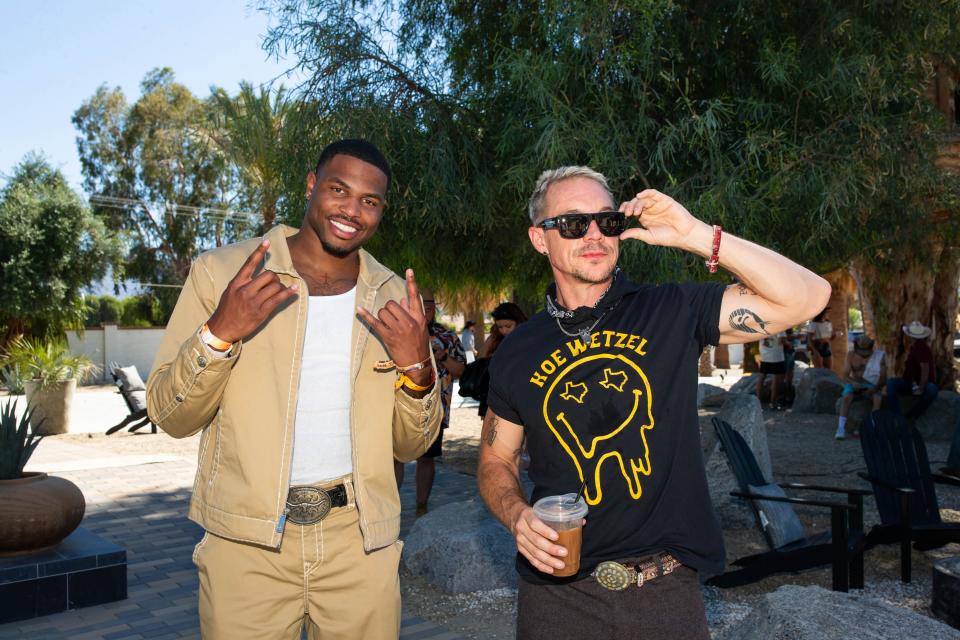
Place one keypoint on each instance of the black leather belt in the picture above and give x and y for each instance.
(310, 505)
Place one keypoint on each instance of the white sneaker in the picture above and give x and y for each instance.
(840, 434)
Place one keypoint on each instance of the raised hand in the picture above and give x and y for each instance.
(403, 329)
(663, 220)
(248, 301)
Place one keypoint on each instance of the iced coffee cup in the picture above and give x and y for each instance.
(564, 514)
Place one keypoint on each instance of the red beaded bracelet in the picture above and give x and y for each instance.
(715, 256)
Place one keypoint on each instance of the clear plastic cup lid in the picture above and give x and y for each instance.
(560, 508)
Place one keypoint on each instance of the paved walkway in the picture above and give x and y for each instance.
(142, 507)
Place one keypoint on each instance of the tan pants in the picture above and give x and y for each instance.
(320, 577)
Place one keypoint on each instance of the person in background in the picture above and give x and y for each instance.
(864, 374)
(450, 359)
(772, 362)
(507, 316)
(468, 340)
(820, 332)
(919, 373)
(789, 364)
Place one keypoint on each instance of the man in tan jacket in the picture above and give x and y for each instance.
(306, 365)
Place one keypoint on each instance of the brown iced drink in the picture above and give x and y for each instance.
(564, 514)
(570, 539)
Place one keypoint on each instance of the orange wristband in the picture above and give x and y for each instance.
(213, 341)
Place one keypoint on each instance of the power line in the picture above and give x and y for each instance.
(218, 213)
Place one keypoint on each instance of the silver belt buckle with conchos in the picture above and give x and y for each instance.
(614, 576)
(307, 505)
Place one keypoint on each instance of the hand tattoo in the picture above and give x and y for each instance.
(739, 318)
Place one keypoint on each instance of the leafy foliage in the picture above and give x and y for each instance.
(156, 179)
(51, 246)
(802, 126)
(45, 361)
(17, 440)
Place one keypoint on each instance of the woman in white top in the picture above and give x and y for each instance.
(820, 334)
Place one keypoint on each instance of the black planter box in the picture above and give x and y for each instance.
(81, 571)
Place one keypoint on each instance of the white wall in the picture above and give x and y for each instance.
(126, 346)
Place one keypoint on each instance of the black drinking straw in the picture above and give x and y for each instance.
(583, 486)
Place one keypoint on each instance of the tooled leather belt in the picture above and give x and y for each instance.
(617, 576)
(310, 505)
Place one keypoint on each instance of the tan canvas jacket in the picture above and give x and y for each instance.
(246, 403)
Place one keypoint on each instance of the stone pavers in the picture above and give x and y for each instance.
(143, 509)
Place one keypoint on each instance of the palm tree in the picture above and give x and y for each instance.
(249, 130)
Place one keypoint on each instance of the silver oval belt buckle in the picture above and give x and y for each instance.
(614, 576)
(307, 505)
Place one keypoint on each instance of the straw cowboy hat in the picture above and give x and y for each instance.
(917, 329)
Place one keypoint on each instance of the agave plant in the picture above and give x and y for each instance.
(17, 440)
(45, 361)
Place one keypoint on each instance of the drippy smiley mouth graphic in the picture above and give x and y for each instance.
(594, 407)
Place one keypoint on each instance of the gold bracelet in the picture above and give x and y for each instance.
(404, 381)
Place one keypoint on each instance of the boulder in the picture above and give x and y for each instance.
(744, 415)
(945, 602)
(814, 613)
(941, 418)
(818, 391)
(706, 392)
(460, 547)
(746, 384)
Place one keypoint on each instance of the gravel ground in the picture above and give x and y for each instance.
(802, 449)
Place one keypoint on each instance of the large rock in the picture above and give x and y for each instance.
(744, 414)
(818, 391)
(814, 613)
(940, 419)
(460, 547)
(746, 384)
(709, 394)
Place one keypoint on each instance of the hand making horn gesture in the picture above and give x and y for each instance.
(248, 301)
(403, 329)
(663, 220)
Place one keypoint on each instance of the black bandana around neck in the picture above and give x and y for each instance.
(582, 320)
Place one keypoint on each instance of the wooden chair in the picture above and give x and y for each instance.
(904, 488)
(130, 385)
(790, 548)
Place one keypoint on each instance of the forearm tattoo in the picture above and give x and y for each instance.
(741, 319)
(489, 432)
(744, 291)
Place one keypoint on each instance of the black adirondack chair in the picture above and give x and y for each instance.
(903, 486)
(131, 387)
(842, 547)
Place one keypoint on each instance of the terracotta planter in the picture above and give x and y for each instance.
(52, 405)
(37, 512)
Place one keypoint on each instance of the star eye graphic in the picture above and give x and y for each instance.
(574, 392)
(613, 379)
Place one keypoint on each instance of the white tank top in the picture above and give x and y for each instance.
(321, 443)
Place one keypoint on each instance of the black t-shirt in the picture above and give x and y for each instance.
(622, 411)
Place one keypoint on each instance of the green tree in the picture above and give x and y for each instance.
(803, 126)
(252, 129)
(51, 247)
(156, 179)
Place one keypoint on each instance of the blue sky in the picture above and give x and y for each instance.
(54, 55)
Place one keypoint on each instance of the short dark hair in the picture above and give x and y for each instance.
(509, 311)
(357, 148)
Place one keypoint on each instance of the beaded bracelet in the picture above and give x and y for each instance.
(715, 256)
(386, 365)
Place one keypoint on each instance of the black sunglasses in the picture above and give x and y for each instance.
(574, 225)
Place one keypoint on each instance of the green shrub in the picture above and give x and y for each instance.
(140, 311)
